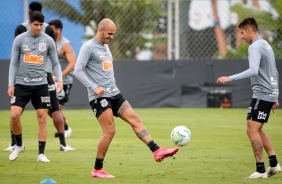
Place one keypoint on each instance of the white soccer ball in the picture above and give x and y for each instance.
(180, 135)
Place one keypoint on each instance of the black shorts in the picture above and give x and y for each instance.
(53, 94)
(99, 105)
(65, 98)
(39, 96)
(259, 110)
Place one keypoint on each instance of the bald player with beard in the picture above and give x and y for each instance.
(94, 69)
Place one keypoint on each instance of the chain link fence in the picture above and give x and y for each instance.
(156, 29)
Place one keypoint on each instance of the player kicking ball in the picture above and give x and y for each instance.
(94, 69)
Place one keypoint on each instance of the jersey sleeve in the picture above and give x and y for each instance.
(79, 69)
(14, 64)
(254, 57)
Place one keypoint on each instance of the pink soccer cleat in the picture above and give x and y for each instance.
(101, 174)
(162, 153)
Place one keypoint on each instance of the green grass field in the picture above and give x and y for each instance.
(219, 151)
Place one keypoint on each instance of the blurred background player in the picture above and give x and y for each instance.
(55, 111)
(67, 59)
(28, 81)
(94, 69)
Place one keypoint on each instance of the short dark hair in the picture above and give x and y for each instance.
(57, 23)
(35, 6)
(249, 21)
(36, 16)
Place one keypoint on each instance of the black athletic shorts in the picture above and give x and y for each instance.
(65, 98)
(53, 94)
(99, 105)
(39, 96)
(259, 110)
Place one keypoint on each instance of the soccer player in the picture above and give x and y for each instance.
(67, 59)
(264, 79)
(28, 80)
(54, 108)
(94, 69)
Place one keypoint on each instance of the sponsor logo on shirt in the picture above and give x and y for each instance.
(112, 89)
(25, 48)
(102, 55)
(33, 58)
(274, 81)
(42, 46)
(107, 65)
(39, 79)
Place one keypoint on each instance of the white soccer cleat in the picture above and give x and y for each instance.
(66, 148)
(42, 158)
(14, 155)
(68, 133)
(257, 175)
(273, 170)
(10, 148)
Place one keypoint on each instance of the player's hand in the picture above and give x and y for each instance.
(223, 80)
(59, 87)
(275, 106)
(99, 91)
(10, 91)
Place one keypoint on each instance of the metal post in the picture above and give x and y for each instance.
(25, 10)
(176, 29)
(169, 29)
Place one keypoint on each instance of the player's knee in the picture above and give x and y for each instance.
(110, 132)
(57, 117)
(15, 117)
(136, 119)
(42, 118)
(250, 131)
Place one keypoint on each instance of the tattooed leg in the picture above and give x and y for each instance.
(142, 134)
(126, 113)
(258, 150)
(125, 105)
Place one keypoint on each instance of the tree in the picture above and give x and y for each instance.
(270, 27)
(133, 19)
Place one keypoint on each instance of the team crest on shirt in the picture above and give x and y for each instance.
(42, 46)
(104, 103)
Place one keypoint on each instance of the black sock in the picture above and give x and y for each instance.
(62, 139)
(99, 163)
(152, 145)
(18, 139)
(273, 161)
(13, 139)
(41, 147)
(66, 127)
(260, 167)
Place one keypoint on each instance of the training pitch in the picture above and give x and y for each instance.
(218, 153)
